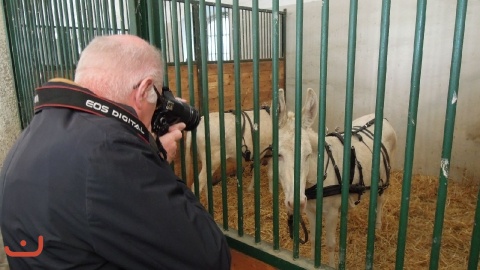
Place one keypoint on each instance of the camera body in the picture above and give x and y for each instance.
(170, 111)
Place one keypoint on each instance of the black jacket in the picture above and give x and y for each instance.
(101, 198)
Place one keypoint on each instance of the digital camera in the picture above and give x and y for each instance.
(170, 111)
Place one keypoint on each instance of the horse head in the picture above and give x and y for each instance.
(286, 147)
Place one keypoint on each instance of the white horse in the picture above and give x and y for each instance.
(362, 143)
(248, 128)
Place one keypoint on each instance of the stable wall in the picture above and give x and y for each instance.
(9, 116)
(437, 55)
(228, 74)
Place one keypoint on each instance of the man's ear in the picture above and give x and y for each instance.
(142, 92)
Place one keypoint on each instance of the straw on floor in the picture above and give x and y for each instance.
(457, 228)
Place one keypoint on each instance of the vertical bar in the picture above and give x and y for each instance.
(221, 108)
(377, 142)
(75, 39)
(19, 46)
(122, 17)
(98, 20)
(163, 42)
(275, 191)
(27, 60)
(132, 26)
(80, 24)
(352, 39)
(87, 16)
(66, 44)
(32, 44)
(57, 38)
(411, 131)
(113, 13)
(256, 116)
(188, 31)
(106, 18)
(50, 37)
(150, 25)
(298, 125)
(238, 111)
(178, 75)
(475, 244)
(11, 20)
(321, 131)
(39, 29)
(448, 130)
(205, 100)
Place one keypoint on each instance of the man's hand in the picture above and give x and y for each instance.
(169, 140)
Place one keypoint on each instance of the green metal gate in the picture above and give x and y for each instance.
(46, 38)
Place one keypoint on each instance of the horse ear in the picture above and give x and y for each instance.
(282, 108)
(310, 109)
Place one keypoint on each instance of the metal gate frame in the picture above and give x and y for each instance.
(27, 48)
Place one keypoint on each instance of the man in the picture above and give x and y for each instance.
(81, 189)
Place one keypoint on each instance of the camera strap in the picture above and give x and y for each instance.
(65, 94)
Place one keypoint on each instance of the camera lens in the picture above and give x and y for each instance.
(193, 119)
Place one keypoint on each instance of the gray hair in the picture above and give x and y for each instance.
(112, 66)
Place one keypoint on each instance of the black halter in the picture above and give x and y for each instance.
(246, 153)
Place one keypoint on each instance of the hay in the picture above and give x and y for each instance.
(457, 227)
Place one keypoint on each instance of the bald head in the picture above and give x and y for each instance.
(111, 66)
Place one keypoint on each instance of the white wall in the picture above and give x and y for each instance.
(434, 81)
(9, 116)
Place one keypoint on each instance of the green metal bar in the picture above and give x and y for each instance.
(87, 16)
(256, 116)
(151, 24)
(106, 18)
(103, 16)
(132, 22)
(448, 130)
(377, 142)
(80, 24)
(113, 13)
(122, 17)
(298, 125)
(39, 28)
(98, 20)
(33, 49)
(68, 30)
(221, 108)
(275, 72)
(278, 259)
(411, 131)
(11, 10)
(27, 62)
(321, 131)
(475, 244)
(178, 75)
(32, 46)
(75, 49)
(206, 117)
(163, 42)
(58, 48)
(188, 36)
(46, 33)
(50, 37)
(35, 52)
(238, 111)
(66, 44)
(352, 39)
